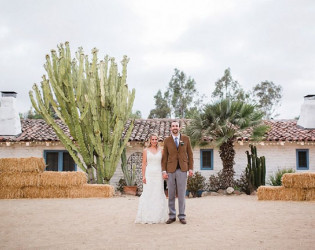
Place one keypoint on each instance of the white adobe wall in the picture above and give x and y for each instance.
(20, 150)
(277, 156)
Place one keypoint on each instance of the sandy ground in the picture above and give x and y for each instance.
(223, 222)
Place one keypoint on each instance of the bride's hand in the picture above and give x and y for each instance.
(144, 180)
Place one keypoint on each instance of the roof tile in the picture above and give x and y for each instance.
(282, 130)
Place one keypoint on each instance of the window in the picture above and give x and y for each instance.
(57, 160)
(206, 159)
(302, 159)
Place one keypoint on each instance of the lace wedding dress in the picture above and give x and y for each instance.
(153, 206)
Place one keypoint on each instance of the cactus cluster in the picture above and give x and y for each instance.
(129, 174)
(255, 170)
(93, 100)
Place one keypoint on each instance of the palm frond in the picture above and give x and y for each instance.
(259, 132)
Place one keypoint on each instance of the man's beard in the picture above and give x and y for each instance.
(175, 131)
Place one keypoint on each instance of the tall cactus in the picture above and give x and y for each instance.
(255, 170)
(93, 100)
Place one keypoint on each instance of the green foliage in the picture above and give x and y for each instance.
(181, 92)
(196, 183)
(32, 114)
(268, 97)
(217, 182)
(129, 174)
(224, 121)
(276, 179)
(255, 171)
(136, 115)
(121, 184)
(93, 100)
(162, 109)
(180, 99)
(242, 184)
(226, 87)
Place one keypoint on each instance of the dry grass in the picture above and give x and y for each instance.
(24, 178)
(18, 165)
(62, 179)
(280, 193)
(310, 194)
(299, 180)
(18, 180)
(10, 192)
(92, 190)
(45, 192)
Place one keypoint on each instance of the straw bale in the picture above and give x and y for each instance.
(62, 179)
(310, 194)
(18, 180)
(92, 190)
(45, 192)
(31, 164)
(280, 193)
(10, 193)
(298, 180)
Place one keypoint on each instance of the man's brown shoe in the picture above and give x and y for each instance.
(169, 221)
(183, 221)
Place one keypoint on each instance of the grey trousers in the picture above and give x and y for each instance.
(177, 179)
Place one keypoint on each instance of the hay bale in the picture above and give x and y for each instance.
(298, 180)
(10, 193)
(18, 180)
(280, 193)
(31, 164)
(45, 192)
(62, 179)
(92, 190)
(310, 194)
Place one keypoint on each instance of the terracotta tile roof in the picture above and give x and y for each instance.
(36, 130)
(284, 130)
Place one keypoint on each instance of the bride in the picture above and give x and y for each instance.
(152, 203)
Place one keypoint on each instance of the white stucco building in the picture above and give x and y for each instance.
(286, 145)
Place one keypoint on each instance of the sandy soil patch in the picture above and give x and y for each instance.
(221, 222)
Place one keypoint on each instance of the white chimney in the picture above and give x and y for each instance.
(307, 114)
(9, 117)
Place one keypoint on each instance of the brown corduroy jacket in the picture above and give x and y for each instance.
(171, 155)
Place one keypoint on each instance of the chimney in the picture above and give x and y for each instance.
(9, 117)
(307, 114)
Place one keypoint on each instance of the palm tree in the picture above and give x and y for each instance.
(223, 122)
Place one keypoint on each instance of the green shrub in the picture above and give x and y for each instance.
(242, 183)
(275, 180)
(217, 182)
(120, 185)
(196, 183)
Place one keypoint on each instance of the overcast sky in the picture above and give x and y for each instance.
(258, 40)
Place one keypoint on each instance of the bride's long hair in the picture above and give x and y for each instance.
(150, 137)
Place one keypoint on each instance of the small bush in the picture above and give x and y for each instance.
(242, 183)
(120, 185)
(275, 180)
(217, 182)
(196, 183)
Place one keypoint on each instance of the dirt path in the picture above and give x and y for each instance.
(222, 222)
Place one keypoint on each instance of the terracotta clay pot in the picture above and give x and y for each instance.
(132, 190)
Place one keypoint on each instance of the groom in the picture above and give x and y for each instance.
(177, 159)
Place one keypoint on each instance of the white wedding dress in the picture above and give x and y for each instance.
(153, 206)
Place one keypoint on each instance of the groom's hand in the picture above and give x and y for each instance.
(165, 176)
(190, 173)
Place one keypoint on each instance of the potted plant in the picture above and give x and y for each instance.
(120, 185)
(196, 184)
(129, 175)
